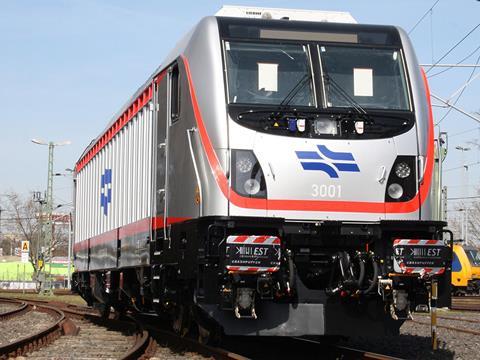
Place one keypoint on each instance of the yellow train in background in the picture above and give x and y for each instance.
(465, 270)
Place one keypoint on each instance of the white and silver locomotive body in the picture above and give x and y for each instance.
(273, 177)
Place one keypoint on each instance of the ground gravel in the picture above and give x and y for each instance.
(165, 353)
(93, 342)
(24, 325)
(414, 341)
(7, 307)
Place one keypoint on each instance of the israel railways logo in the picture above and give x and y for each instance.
(106, 191)
(328, 161)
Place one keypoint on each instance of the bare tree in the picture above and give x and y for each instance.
(26, 222)
(474, 223)
(465, 223)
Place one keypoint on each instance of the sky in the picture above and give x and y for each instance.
(67, 66)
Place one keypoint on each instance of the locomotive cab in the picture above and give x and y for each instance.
(329, 134)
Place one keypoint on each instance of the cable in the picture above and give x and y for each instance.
(463, 186)
(459, 95)
(463, 166)
(423, 17)
(458, 63)
(431, 34)
(453, 47)
(464, 198)
(463, 132)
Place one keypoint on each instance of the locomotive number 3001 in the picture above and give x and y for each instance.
(323, 190)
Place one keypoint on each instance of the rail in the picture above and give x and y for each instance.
(64, 313)
(469, 303)
(31, 342)
(20, 308)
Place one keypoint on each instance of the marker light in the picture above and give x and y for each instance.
(402, 170)
(395, 191)
(244, 165)
(251, 187)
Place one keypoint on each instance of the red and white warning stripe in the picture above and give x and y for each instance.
(253, 239)
(422, 271)
(417, 242)
(251, 269)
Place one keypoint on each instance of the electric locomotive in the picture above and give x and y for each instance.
(273, 177)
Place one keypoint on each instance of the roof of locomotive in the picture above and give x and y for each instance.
(254, 12)
(229, 28)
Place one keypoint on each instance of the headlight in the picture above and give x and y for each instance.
(325, 127)
(251, 187)
(247, 175)
(395, 191)
(402, 170)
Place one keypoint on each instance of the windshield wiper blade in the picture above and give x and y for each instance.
(294, 91)
(351, 101)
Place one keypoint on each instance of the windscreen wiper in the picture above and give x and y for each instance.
(294, 91)
(339, 90)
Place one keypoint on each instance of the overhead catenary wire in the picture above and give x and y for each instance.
(423, 17)
(462, 186)
(463, 166)
(455, 107)
(458, 63)
(463, 132)
(469, 81)
(461, 93)
(464, 198)
(454, 47)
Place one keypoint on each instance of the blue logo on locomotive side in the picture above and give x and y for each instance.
(106, 191)
(328, 161)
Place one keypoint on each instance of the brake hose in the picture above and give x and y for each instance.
(373, 281)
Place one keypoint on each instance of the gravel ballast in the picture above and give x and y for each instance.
(414, 341)
(7, 307)
(24, 325)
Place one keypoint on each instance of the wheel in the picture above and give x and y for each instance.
(181, 320)
(104, 310)
(119, 310)
(203, 334)
(211, 335)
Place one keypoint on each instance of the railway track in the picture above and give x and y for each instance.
(100, 342)
(295, 347)
(10, 308)
(473, 323)
(346, 353)
(447, 327)
(42, 335)
(254, 347)
(139, 337)
(470, 303)
(76, 328)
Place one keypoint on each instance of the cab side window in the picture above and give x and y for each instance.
(175, 94)
(456, 265)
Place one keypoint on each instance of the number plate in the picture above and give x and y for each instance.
(253, 253)
(420, 256)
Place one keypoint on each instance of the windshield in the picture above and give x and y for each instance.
(370, 77)
(272, 74)
(474, 257)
